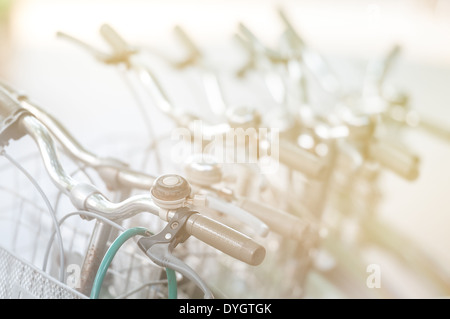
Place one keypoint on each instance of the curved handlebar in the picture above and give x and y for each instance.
(87, 197)
(10, 111)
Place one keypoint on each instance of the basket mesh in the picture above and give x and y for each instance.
(21, 280)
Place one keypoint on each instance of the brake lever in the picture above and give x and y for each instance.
(121, 51)
(313, 60)
(194, 54)
(258, 46)
(159, 248)
(206, 177)
(210, 78)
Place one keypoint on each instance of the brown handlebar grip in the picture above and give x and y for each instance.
(396, 158)
(226, 239)
(301, 160)
(278, 221)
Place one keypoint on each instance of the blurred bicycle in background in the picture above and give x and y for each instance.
(275, 162)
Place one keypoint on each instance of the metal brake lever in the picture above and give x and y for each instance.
(159, 248)
(206, 177)
(299, 41)
(258, 46)
(194, 53)
(264, 60)
(121, 54)
(210, 78)
(250, 63)
(121, 51)
(117, 43)
(377, 71)
(313, 60)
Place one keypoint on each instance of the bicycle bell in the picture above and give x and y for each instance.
(243, 117)
(203, 170)
(170, 191)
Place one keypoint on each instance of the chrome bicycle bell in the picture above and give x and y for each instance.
(170, 191)
(243, 117)
(203, 170)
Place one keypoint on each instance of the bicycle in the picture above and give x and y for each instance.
(301, 216)
(90, 202)
(361, 130)
(364, 126)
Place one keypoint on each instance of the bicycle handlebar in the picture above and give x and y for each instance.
(117, 43)
(121, 176)
(211, 232)
(108, 168)
(10, 111)
(65, 138)
(86, 196)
